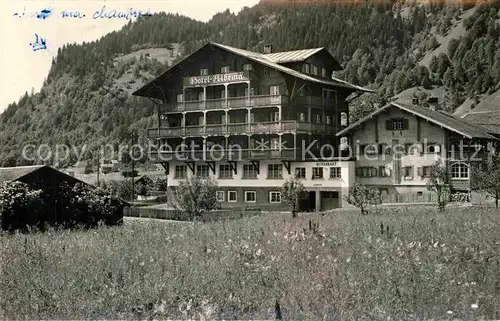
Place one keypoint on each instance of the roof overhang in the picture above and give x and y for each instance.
(153, 89)
(411, 111)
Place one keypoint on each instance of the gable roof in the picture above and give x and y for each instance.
(261, 59)
(444, 120)
(487, 119)
(285, 57)
(8, 174)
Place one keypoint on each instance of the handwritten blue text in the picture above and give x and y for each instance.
(39, 43)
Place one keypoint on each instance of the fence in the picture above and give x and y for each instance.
(177, 215)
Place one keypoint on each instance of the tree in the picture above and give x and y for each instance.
(439, 183)
(291, 192)
(361, 196)
(486, 179)
(195, 196)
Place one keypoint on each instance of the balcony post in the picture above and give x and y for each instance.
(279, 117)
(248, 94)
(249, 120)
(226, 120)
(309, 116)
(204, 127)
(183, 122)
(204, 97)
(295, 144)
(184, 98)
(225, 95)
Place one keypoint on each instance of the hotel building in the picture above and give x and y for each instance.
(252, 120)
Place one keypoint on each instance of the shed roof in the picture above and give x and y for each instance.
(439, 118)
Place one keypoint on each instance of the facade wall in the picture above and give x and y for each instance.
(263, 185)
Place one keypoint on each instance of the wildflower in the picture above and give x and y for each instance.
(142, 263)
(209, 251)
(449, 312)
(474, 306)
(348, 260)
(259, 252)
(473, 283)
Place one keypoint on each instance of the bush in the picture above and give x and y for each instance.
(362, 196)
(23, 207)
(19, 205)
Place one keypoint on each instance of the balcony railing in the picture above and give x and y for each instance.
(229, 103)
(241, 128)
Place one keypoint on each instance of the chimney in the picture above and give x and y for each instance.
(433, 103)
(268, 49)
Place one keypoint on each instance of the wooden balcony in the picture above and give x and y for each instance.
(241, 129)
(229, 103)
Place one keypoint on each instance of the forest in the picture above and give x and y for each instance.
(380, 46)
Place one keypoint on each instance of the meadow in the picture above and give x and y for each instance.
(399, 263)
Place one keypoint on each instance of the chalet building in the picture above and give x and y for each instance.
(251, 120)
(397, 145)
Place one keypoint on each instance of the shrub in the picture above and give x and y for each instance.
(19, 206)
(196, 196)
(361, 196)
(292, 191)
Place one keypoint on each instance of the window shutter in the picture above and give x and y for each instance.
(388, 124)
(420, 171)
(406, 123)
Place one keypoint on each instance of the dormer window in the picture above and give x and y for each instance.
(323, 72)
(315, 70)
(203, 72)
(180, 98)
(225, 70)
(306, 68)
(247, 67)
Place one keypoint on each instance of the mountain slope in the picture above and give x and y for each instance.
(86, 97)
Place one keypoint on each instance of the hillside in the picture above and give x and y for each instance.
(86, 97)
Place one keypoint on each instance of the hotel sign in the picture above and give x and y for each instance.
(326, 164)
(199, 81)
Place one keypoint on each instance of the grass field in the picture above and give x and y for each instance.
(402, 263)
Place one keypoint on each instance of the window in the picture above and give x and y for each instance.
(225, 171)
(323, 72)
(317, 173)
(384, 149)
(315, 70)
(343, 119)
(247, 67)
(180, 171)
(223, 93)
(384, 171)
(225, 69)
(318, 119)
(328, 120)
(424, 171)
(408, 148)
(220, 196)
(203, 72)
(180, 98)
(459, 170)
(252, 91)
(302, 117)
(202, 171)
(397, 124)
(274, 197)
(300, 172)
(249, 171)
(274, 90)
(231, 196)
(335, 172)
(408, 172)
(433, 148)
(369, 149)
(275, 171)
(250, 196)
(305, 68)
(366, 172)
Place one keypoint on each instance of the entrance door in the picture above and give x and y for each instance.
(329, 200)
(309, 203)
